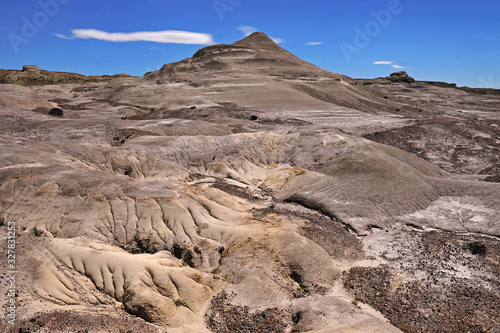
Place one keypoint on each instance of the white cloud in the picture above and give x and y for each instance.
(315, 43)
(166, 36)
(247, 30)
(391, 63)
(383, 62)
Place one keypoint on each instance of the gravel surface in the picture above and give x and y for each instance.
(74, 322)
(433, 283)
(223, 317)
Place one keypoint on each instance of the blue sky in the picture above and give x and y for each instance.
(441, 40)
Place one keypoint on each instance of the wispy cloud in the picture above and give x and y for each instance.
(383, 62)
(278, 40)
(166, 36)
(63, 37)
(248, 30)
(315, 43)
(391, 63)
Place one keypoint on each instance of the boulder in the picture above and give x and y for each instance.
(401, 76)
(31, 68)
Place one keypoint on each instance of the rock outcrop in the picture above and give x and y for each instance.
(31, 68)
(401, 76)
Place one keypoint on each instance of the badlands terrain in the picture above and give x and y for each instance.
(246, 190)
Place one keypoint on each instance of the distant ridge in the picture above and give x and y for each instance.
(31, 75)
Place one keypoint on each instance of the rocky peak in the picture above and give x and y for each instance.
(258, 40)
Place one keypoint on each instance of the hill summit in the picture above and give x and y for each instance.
(255, 52)
(259, 40)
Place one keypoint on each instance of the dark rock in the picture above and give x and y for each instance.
(401, 77)
(56, 112)
(224, 317)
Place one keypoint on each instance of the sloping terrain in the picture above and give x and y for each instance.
(231, 192)
(455, 130)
